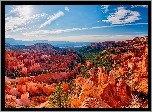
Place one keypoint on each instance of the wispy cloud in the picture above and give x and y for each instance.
(67, 9)
(122, 16)
(134, 32)
(21, 10)
(141, 23)
(21, 18)
(96, 27)
(18, 29)
(42, 32)
(45, 32)
(105, 8)
(145, 6)
(52, 18)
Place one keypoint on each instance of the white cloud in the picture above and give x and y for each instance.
(105, 8)
(52, 18)
(14, 22)
(122, 16)
(67, 9)
(21, 10)
(145, 6)
(98, 21)
(21, 18)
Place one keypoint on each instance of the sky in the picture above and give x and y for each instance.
(76, 23)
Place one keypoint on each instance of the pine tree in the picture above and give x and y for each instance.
(59, 98)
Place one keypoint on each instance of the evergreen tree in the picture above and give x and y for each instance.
(59, 98)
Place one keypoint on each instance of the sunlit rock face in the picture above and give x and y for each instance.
(125, 85)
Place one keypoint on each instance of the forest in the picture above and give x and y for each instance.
(102, 75)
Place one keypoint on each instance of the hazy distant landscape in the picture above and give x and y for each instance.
(61, 44)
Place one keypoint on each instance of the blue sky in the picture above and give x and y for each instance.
(76, 23)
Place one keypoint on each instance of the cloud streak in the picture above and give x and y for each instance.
(42, 32)
(45, 32)
(52, 18)
(105, 8)
(145, 6)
